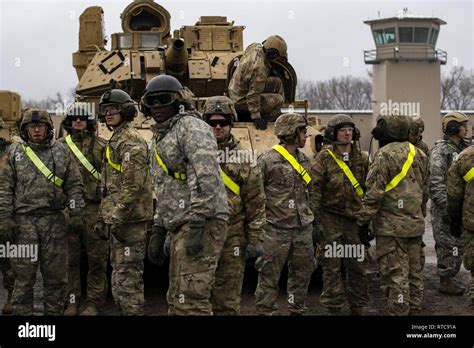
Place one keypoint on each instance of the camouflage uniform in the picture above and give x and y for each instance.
(92, 147)
(127, 202)
(288, 233)
(252, 89)
(247, 219)
(449, 249)
(335, 205)
(186, 145)
(423, 147)
(398, 223)
(461, 199)
(25, 196)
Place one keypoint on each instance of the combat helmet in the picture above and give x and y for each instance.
(220, 105)
(36, 116)
(122, 100)
(287, 125)
(275, 46)
(452, 122)
(392, 128)
(339, 121)
(83, 110)
(162, 90)
(417, 126)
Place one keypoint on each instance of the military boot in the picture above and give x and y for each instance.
(448, 287)
(71, 310)
(357, 311)
(90, 310)
(8, 308)
(335, 310)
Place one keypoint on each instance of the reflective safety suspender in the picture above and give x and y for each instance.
(231, 185)
(80, 156)
(116, 166)
(41, 166)
(294, 163)
(349, 174)
(406, 166)
(176, 175)
(469, 175)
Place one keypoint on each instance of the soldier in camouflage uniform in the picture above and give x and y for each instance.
(191, 198)
(87, 150)
(252, 88)
(39, 181)
(460, 188)
(417, 127)
(335, 203)
(288, 232)
(449, 249)
(7, 272)
(127, 203)
(395, 201)
(246, 199)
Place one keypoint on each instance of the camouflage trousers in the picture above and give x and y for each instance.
(401, 275)
(225, 295)
(7, 273)
(449, 249)
(192, 278)
(127, 252)
(271, 100)
(342, 233)
(468, 260)
(294, 246)
(97, 251)
(48, 234)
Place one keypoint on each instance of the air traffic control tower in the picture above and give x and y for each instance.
(406, 69)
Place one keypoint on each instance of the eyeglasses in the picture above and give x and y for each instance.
(80, 118)
(33, 126)
(160, 99)
(110, 109)
(223, 123)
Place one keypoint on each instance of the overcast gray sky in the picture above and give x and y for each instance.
(325, 38)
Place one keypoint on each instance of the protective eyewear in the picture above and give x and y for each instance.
(110, 109)
(222, 123)
(160, 100)
(80, 118)
(33, 126)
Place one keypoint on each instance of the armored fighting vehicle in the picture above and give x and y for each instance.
(10, 114)
(201, 56)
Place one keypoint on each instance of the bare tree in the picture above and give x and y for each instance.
(337, 93)
(457, 89)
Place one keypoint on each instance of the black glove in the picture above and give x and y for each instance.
(260, 123)
(76, 224)
(101, 230)
(194, 243)
(155, 246)
(455, 228)
(365, 235)
(317, 233)
(254, 250)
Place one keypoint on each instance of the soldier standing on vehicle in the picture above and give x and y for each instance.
(449, 249)
(252, 88)
(395, 200)
(339, 173)
(127, 203)
(88, 150)
(288, 232)
(191, 198)
(460, 189)
(38, 182)
(246, 199)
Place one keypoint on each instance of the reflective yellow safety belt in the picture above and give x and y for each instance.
(80, 156)
(406, 166)
(116, 166)
(294, 163)
(469, 175)
(176, 175)
(349, 174)
(231, 185)
(41, 166)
